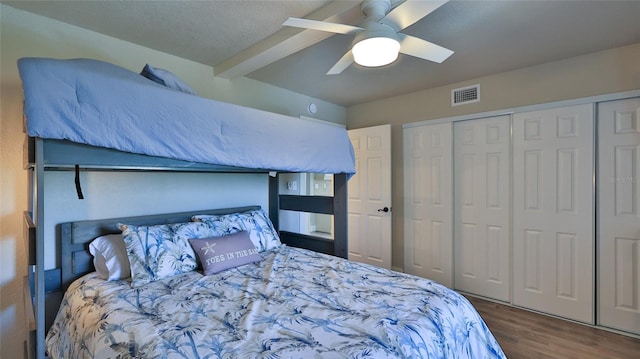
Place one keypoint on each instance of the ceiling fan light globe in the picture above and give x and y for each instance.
(375, 51)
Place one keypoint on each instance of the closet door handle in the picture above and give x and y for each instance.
(385, 209)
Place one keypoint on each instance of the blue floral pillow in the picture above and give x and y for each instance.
(261, 231)
(265, 227)
(161, 251)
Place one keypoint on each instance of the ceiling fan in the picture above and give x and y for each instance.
(378, 41)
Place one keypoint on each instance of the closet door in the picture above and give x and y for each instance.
(428, 202)
(619, 215)
(482, 151)
(553, 212)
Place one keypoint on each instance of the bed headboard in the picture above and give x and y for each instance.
(75, 237)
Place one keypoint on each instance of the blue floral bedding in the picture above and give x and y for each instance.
(293, 304)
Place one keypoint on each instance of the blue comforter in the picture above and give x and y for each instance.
(100, 104)
(293, 304)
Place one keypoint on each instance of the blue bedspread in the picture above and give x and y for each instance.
(100, 104)
(293, 304)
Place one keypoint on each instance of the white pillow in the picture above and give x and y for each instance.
(110, 257)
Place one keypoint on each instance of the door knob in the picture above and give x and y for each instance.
(385, 209)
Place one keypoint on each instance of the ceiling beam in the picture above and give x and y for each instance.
(288, 41)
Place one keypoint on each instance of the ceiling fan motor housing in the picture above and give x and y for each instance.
(376, 30)
(375, 9)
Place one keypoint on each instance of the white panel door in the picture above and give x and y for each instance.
(428, 202)
(482, 207)
(619, 215)
(553, 213)
(369, 192)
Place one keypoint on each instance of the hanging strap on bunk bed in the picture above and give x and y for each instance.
(78, 186)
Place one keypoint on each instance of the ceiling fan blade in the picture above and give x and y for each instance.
(342, 64)
(322, 26)
(409, 12)
(423, 49)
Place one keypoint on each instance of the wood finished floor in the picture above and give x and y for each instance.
(526, 335)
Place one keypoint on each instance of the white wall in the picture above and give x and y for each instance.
(605, 72)
(107, 194)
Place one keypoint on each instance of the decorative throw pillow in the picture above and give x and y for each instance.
(264, 226)
(220, 253)
(110, 257)
(161, 251)
(166, 78)
(261, 231)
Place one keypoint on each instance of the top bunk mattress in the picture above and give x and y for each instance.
(100, 104)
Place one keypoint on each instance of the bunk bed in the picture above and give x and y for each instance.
(87, 115)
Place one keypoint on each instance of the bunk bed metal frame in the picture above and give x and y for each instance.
(44, 288)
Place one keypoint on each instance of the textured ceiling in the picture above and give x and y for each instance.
(487, 36)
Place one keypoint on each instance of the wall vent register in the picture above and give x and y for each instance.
(465, 95)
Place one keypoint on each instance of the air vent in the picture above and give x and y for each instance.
(464, 95)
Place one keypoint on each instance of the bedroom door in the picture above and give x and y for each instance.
(482, 207)
(369, 193)
(553, 211)
(428, 208)
(619, 215)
